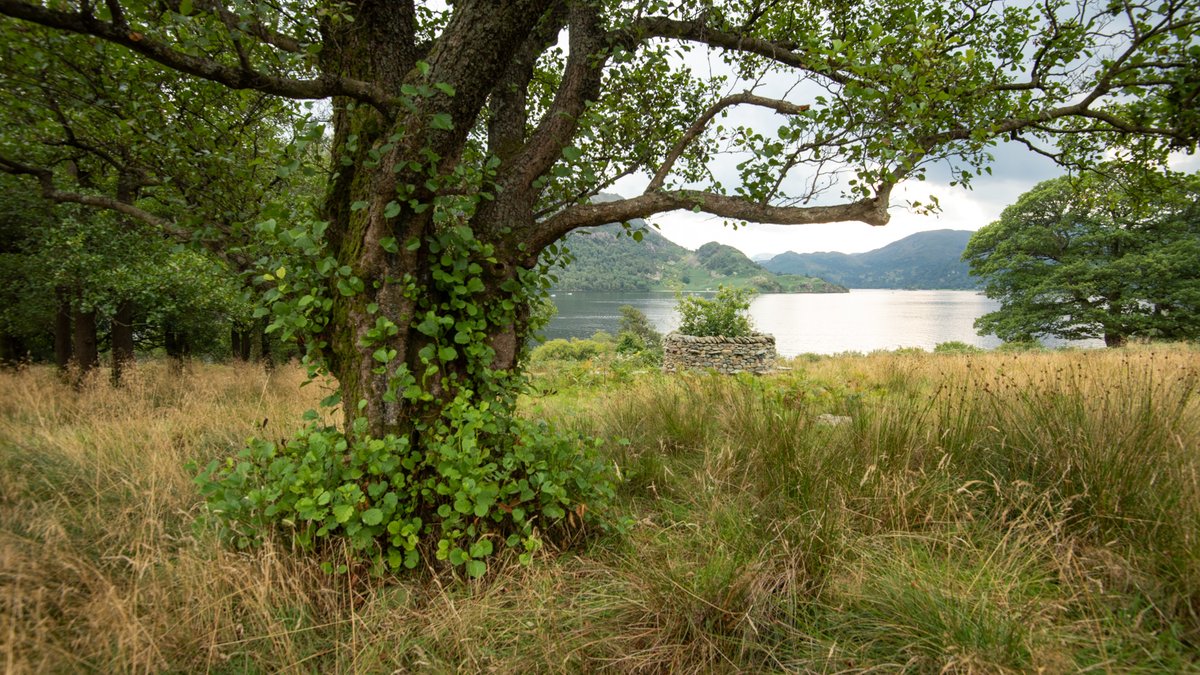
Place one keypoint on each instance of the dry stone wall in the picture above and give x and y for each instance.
(752, 354)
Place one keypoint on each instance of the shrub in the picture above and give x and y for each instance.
(956, 347)
(724, 315)
(498, 482)
(570, 350)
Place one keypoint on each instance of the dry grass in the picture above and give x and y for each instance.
(981, 513)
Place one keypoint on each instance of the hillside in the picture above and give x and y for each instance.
(923, 260)
(607, 258)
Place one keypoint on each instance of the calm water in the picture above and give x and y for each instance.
(862, 320)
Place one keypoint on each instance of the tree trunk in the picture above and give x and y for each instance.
(87, 356)
(1112, 339)
(264, 351)
(62, 330)
(176, 347)
(12, 351)
(241, 341)
(122, 340)
(437, 315)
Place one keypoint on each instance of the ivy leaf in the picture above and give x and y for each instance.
(442, 121)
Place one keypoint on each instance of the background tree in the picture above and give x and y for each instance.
(170, 159)
(466, 141)
(1109, 255)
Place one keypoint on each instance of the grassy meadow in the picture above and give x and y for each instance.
(992, 513)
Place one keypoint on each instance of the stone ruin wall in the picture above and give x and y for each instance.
(752, 354)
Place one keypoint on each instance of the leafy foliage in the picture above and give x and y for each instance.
(723, 315)
(478, 479)
(1110, 256)
(386, 497)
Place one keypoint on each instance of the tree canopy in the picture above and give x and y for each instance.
(467, 139)
(1110, 255)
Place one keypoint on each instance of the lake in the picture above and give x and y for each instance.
(862, 320)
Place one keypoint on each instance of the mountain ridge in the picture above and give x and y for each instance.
(636, 257)
(924, 260)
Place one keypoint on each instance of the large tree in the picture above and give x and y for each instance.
(467, 140)
(1108, 255)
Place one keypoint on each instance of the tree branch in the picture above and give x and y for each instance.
(580, 84)
(698, 31)
(235, 78)
(697, 128)
(45, 179)
(870, 211)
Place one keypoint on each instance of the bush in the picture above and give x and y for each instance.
(1028, 345)
(956, 347)
(571, 350)
(485, 482)
(723, 315)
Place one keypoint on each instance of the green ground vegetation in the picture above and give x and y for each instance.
(925, 512)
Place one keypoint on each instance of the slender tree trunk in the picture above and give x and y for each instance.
(121, 332)
(176, 347)
(62, 330)
(235, 342)
(247, 342)
(240, 341)
(87, 356)
(264, 351)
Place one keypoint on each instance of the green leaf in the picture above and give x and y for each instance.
(372, 516)
(476, 568)
(442, 121)
(342, 512)
(481, 548)
(391, 210)
(185, 7)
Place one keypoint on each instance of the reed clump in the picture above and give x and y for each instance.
(957, 512)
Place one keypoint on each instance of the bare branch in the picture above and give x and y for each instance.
(698, 31)
(255, 28)
(871, 211)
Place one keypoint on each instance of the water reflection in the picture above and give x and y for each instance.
(862, 320)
